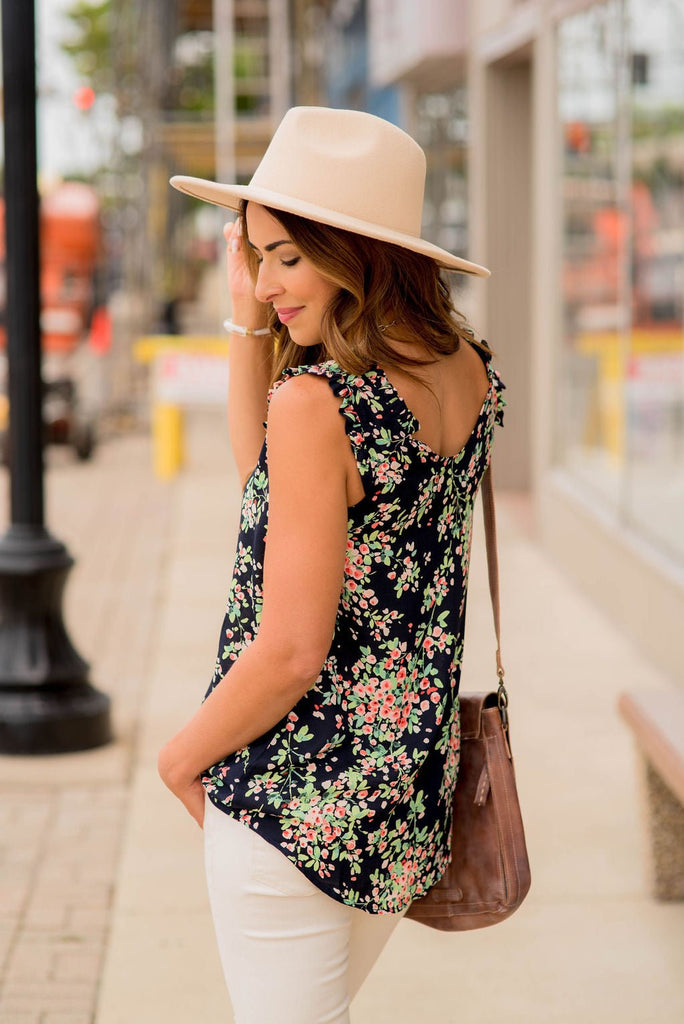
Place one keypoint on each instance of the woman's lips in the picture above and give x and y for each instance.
(285, 315)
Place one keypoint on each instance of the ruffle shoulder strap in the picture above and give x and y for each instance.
(376, 420)
(497, 383)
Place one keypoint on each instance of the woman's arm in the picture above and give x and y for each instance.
(250, 361)
(303, 577)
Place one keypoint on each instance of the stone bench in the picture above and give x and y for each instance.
(656, 719)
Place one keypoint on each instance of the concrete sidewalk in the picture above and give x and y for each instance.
(103, 911)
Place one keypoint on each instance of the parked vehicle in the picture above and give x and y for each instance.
(70, 241)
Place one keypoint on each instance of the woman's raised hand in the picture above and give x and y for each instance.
(246, 309)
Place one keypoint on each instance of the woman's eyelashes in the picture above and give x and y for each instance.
(285, 263)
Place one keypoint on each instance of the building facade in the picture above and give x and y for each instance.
(558, 161)
(220, 83)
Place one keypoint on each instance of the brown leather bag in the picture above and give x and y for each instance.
(489, 873)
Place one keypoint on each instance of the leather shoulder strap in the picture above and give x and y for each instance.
(492, 560)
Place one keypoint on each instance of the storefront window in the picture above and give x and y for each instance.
(441, 129)
(620, 429)
(654, 480)
(591, 410)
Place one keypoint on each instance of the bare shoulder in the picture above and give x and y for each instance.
(473, 366)
(475, 355)
(306, 403)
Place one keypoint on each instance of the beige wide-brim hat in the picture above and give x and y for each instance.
(344, 168)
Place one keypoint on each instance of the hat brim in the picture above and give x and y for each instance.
(230, 196)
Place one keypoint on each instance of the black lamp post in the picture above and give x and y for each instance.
(47, 704)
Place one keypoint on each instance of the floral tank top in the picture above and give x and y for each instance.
(354, 785)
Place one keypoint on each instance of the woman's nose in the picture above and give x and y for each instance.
(267, 286)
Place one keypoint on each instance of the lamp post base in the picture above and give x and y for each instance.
(47, 705)
(53, 719)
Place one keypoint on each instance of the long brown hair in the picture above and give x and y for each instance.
(386, 293)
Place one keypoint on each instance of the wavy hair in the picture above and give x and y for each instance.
(387, 293)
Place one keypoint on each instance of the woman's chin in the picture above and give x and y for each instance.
(303, 340)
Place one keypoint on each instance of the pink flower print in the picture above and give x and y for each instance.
(442, 638)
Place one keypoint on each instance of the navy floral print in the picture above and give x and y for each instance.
(354, 784)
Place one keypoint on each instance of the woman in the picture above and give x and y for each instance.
(322, 761)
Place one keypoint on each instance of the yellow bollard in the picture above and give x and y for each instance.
(167, 438)
(168, 395)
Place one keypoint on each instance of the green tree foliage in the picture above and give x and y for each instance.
(90, 45)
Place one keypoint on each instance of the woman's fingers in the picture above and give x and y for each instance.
(240, 283)
(232, 227)
(232, 233)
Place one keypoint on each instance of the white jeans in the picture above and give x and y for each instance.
(291, 954)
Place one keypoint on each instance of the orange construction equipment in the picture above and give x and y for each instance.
(71, 249)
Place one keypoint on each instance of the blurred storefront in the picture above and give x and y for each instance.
(620, 431)
(345, 78)
(205, 113)
(571, 114)
(421, 50)
(554, 132)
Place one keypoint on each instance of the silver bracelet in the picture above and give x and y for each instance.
(244, 331)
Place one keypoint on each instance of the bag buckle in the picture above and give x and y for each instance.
(502, 700)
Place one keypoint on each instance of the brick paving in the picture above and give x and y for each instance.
(62, 818)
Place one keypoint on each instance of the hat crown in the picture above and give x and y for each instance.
(346, 161)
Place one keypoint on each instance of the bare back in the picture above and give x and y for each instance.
(447, 414)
